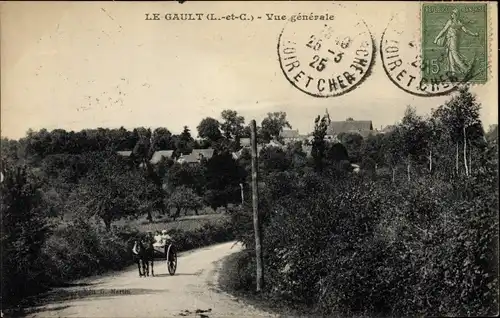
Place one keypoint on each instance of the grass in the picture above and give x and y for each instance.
(189, 222)
(185, 223)
(235, 280)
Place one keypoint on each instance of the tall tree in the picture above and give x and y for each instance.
(112, 189)
(414, 133)
(24, 229)
(273, 125)
(162, 139)
(372, 147)
(353, 142)
(184, 142)
(459, 114)
(393, 149)
(232, 125)
(209, 128)
(318, 143)
(184, 198)
(223, 176)
(274, 159)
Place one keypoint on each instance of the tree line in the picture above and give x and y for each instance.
(414, 233)
(53, 177)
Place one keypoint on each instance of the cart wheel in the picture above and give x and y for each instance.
(171, 259)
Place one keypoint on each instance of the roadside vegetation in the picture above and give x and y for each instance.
(414, 232)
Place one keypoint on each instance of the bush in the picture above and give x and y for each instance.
(208, 234)
(82, 249)
(24, 229)
(359, 246)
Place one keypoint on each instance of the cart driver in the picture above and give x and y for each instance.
(162, 238)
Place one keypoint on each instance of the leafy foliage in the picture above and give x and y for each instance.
(24, 229)
(184, 198)
(209, 128)
(273, 125)
(365, 245)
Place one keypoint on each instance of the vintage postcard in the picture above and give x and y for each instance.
(249, 158)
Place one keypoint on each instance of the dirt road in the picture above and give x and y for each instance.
(191, 292)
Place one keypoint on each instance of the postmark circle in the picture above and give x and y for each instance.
(400, 51)
(329, 57)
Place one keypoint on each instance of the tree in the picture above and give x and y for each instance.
(273, 125)
(141, 155)
(209, 129)
(247, 131)
(184, 198)
(415, 136)
(336, 152)
(113, 189)
(372, 147)
(274, 159)
(459, 114)
(186, 175)
(184, 142)
(9, 150)
(162, 139)
(143, 150)
(223, 176)
(24, 229)
(232, 125)
(392, 148)
(353, 142)
(296, 155)
(318, 143)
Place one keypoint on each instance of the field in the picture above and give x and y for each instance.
(185, 223)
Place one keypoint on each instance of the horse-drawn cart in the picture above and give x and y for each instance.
(169, 253)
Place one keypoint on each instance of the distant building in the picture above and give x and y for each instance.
(362, 127)
(189, 159)
(291, 135)
(196, 156)
(158, 155)
(205, 153)
(387, 129)
(273, 143)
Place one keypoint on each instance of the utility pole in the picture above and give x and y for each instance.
(242, 194)
(255, 200)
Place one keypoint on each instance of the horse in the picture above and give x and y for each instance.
(143, 253)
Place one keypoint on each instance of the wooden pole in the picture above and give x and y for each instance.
(255, 200)
(242, 194)
(465, 153)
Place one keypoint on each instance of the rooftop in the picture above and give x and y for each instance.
(350, 125)
(290, 133)
(160, 154)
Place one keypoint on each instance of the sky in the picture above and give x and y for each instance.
(78, 65)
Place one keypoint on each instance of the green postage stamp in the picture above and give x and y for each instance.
(455, 41)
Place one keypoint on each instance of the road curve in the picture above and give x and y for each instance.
(192, 292)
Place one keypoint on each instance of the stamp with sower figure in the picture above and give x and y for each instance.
(455, 39)
(326, 58)
(432, 54)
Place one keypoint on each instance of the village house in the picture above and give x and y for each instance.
(362, 127)
(291, 135)
(158, 155)
(194, 157)
(386, 129)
